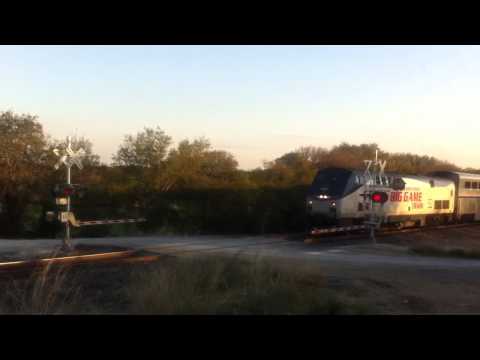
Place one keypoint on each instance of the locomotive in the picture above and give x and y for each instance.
(336, 197)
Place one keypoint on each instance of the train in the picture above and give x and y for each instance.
(336, 197)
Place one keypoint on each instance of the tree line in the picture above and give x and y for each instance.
(187, 187)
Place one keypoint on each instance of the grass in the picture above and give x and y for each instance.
(46, 292)
(210, 285)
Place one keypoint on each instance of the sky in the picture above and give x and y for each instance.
(256, 102)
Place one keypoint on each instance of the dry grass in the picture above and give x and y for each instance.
(217, 285)
(49, 291)
(211, 285)
(463, 242)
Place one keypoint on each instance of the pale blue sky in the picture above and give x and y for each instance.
(258, 102)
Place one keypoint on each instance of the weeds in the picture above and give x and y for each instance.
(49, 291)
(210, 285)
(231, 286)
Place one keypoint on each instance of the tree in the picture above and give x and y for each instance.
(23, 163)
(146, 149)
(315, 155)
(192, 164)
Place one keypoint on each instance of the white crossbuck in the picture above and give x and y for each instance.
(70, 157)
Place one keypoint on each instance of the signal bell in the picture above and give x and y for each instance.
(379, 197)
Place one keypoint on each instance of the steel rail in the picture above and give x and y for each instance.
(315, 237)
(139, 254)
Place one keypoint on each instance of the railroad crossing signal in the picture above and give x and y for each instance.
(68, 190)
(375, 178)
(69, 157)
(379, 197)
(64, 192)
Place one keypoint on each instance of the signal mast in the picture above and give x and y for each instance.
(68, 158)
(375, 186)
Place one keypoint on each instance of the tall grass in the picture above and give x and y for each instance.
(231, 286)
(209, 285)
(49, 291)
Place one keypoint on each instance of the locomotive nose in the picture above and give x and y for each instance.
(325, 206)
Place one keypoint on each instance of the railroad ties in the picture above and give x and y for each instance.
(337, 229)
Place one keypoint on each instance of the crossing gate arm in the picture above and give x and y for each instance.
(77, 223)
(108, 222)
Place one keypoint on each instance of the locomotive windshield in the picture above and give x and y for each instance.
(330, 182)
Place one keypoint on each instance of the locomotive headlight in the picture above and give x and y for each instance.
(333, 204)
(309, 206)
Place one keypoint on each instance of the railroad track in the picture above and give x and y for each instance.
(126, 256)
(144, 255)
(21, 266)
(363, 232)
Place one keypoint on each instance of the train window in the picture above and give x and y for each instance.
(468, 184)
(438, 204)
(331, 182)
(474, 185)
(360, 206)
(445, 204)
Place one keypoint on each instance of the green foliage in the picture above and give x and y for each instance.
(146, 149)
(23, 163)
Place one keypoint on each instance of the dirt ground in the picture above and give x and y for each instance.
(444, 285)
(467, 237)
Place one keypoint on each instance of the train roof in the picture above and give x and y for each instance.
(466, 175)
(437, 175)
(418, 177)
(459, 174)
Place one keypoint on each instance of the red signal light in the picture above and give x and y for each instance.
(68, 191)
(379, 197)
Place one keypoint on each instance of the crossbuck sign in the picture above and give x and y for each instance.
(69, 157)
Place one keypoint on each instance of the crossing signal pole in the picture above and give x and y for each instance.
(375, 183)
(68, 157)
